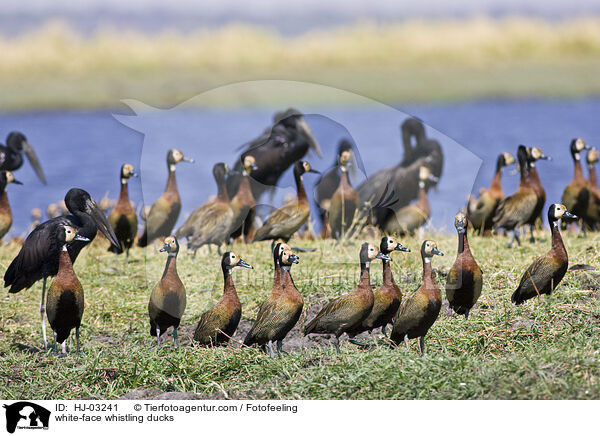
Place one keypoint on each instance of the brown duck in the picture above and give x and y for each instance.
(344, 201)
(576, 195)
(518, 209)
(283, 222)
(218, 324)
(6, 218)
(168, 299)
(243, 203)
(593, 211)
(164, 212)
(387, 298)
(418, 313)
(123, 218)
(465, 279)
(412, 217)
(65, 302)
(349, 310)
(482, 210)
(278, 316)
(546, 272)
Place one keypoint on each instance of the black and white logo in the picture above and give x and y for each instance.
(26, 415)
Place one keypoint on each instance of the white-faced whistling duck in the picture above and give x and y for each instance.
(6, 219)
(516, 210)
(481, 211)
(576, 195)
(168, 299)
(123, 218)
(278, 148)
(410, 218)
(342, 314)
(387, 298)
(217, 325)
(278, 316)
(283, 222)
(546, 272)
(217, 206)
(396, 187)
(344, 201)
(418, 313)
(593, 211)
(211, 223)
(11, 155)
(243, 203)
(465, 279)
(165, 211)
(533, 155)
(64, 306)
(39, 255)
(327, 185)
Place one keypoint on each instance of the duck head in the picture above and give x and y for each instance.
(368, 253)
(220, 171)
(7, 177)
(287, 258)
(504, 160)
(426, 176)
(389, 244)
(175, 156)
(17, 142)
(557, 212)
(278, 249)
(230, 260)
(345, 160)
(592, 156)
(170, 246)
(577, 146)
(250, 164)
(127, 171)
(302, 167)
(68, 234)
(535, 154)
(79, 201)
(461, 223)
(428, 250)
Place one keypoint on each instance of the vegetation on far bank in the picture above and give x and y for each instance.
(546, 349)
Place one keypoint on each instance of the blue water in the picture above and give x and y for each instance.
(86, 148)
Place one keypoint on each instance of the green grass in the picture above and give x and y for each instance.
(547, 349)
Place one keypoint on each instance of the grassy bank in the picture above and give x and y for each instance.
(545, 349)
(409, 61)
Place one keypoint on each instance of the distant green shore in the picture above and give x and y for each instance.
(407, 62)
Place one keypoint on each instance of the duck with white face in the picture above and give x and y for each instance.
(123, 217)
(418, 313)
(546, 272)
(342, 314)
(243, 202)
(576, 195)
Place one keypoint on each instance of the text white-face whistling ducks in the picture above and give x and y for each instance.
(465, 279)
(123, 218)
(39, 255)
(6, 219)
(168, 299)
(546, 272)
(164, 212)
(65, 303)
(418, 312)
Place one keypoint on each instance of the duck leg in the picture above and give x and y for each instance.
(422, 345)
(55, 348)
(175, 337)
(42, 313)
(406, 342)
(531, 237)
(467, 313)
(270, 347)
(280, 347)
(157, 337)
(64, 347)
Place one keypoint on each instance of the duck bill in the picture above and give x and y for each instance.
(96, 213)
(314, 171)
(78, 237)
(164, 248)
(34, 161)
(187, 159)
(312, 142)
(382, 256)
(293, 258)
(17, 182)
(544, 157)
(437, 252)
(133, 174)
(569, 215)
(401, 247)
(244, 264)
(433, 178)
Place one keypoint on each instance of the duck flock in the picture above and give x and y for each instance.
(393, 202)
